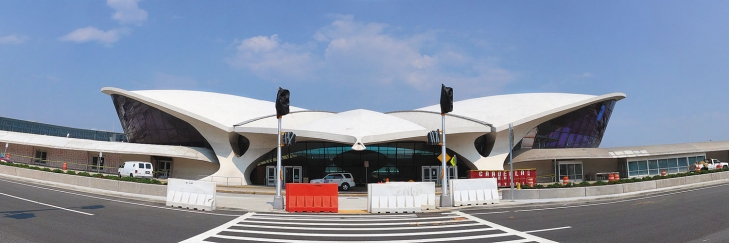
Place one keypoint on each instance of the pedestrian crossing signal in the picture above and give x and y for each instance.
(289, 138)
(434, 137)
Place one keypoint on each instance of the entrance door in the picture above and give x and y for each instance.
(430, 174)
(292, 174)
(573, 171)
(162, 168)
(271, 175)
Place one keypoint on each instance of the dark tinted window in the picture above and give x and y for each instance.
(582, 128)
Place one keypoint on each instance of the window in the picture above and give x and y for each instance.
(40, 157)
(97, 163)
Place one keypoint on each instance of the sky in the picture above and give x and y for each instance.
(671, 58)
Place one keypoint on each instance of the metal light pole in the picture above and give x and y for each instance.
(6, 149)
(282, 108)
(278, 200)
(446, 105)
(511, 161)
(98, 162)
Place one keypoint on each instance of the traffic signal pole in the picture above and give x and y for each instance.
(278, 200)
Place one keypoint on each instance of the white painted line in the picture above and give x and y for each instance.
(413, 227)
(490, 213)
(353, 220)
(614, 202)
(119, 201)
(505, 229)
(359, 235)
(340, 215)
(447, 239)
(216, 230)
(541, 230)
(45, 204)
(348, 224)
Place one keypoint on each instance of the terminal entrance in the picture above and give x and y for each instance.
(433, 174)
(292, 174)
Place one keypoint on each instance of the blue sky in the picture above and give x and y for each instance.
(671, 58)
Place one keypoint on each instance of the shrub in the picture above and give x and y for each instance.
(34, 168)
(600, 183)
(98, 175)
(555, 185)
(46, 169)
(84, 173)
(57, 171)
(538, 186)
(70, 172)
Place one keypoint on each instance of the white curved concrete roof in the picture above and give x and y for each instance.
(220, 110)
(201, 154)
(500, 110)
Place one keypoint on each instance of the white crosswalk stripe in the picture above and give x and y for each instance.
(294, 228)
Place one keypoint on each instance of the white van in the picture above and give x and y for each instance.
(136, 169)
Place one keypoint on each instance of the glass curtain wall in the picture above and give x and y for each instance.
(653, 167)
(400, 161)
(582, 128)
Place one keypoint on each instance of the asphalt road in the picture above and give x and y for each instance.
(687, 215)
(68, 216)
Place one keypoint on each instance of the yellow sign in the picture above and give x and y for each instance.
(440, 157)
(453, 161)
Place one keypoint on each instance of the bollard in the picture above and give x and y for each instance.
(64, 166)
(663, 172)
(518, 186)
(565, 180)
(611, 177)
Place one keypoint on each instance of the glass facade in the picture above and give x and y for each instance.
(653, 167)
(149, 125)
(400, 161)
(582, 128)
(13, 125)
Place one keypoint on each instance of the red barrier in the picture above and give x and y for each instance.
(312, 198)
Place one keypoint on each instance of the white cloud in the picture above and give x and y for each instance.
(370, 53)
(13, 39)
(127, 11)
(268, 58)
(93, 34)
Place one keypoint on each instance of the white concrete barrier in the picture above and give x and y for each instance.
(400, 197)
(198, 195)
(478, 191)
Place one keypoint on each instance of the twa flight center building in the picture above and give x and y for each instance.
(233, 140)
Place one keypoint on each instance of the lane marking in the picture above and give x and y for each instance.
(45, 204)
(125, 202)
(413, 227)
(447, 239)
(620, 201)
(216, 230)
(353, 224)
(359, 235)
(505, 229)
(354, 220)
(283, 215)
(541, 230)
(490, 212)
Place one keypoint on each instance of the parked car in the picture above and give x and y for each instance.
(343, 180)
(136, 169)
(6, 160)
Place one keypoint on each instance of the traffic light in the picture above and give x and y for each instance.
(434, 137)
(289, 138)
(446, 99)
(282, 102)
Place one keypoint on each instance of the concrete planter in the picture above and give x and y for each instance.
(698, 178)
(562, 192)
(670, 182)
(8, 170)
(520, 194)
(603, 190)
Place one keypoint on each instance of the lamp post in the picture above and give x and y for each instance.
(6, 149)
(282, 108)
(446, 105)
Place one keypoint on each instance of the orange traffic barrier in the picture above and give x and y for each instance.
(64, 166)
(530, 182)
(565, 180)
(611, 177)
(663, 172)
(617, 176)
(312, 198)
